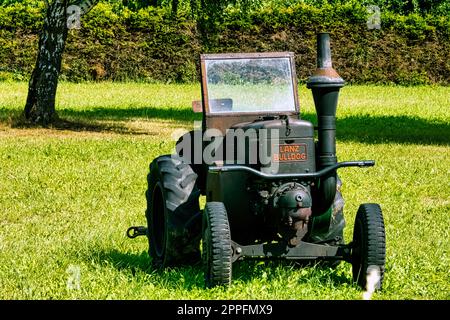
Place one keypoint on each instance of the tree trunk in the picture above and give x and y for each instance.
(40, 105)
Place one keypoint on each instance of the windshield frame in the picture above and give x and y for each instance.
(261, 55)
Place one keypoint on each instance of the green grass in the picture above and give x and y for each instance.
(68, 194)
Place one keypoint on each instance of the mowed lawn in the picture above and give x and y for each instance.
(68, 194)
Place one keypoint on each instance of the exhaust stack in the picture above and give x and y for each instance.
(325, 84)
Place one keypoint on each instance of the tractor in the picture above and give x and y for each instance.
(269, 178)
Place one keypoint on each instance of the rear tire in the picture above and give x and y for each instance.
(369, 244)
(173, 213)
(217, 249)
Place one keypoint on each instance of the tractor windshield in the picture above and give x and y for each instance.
(245, 85)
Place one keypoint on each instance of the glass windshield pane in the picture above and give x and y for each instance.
(250, 85)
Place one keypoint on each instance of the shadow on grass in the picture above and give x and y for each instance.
(358, 128)
(390, 129)
(247, 271)
(190, 277)
(132, 113)
(17, 121)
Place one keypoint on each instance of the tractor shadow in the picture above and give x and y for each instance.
(251, 270)
(192, 277)
(188, 278)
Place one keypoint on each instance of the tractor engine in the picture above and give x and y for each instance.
(292, 201)
(277, 145)
(282, 209)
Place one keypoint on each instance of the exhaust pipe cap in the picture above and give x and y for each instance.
(325, 75)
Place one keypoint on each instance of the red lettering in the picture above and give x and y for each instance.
(296, 152)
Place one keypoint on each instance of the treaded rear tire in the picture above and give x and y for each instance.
(217, 249)
(173, 213)
(369, 244)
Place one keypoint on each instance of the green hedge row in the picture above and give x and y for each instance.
(152, 45)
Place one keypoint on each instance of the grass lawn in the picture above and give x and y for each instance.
(68, 194)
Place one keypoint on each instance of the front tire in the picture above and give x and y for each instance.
(173, 213)
(217, 251)
(369, 244)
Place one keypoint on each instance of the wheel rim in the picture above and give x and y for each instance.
(158, 219)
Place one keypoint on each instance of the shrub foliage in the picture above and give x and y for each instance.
(117, 42)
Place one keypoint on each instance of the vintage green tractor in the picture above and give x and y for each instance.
(271, 188)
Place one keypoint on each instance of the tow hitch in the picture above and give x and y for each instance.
(134, 232)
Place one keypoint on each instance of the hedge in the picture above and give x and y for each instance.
(152, 45)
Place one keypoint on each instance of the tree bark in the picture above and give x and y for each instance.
(40, 105)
